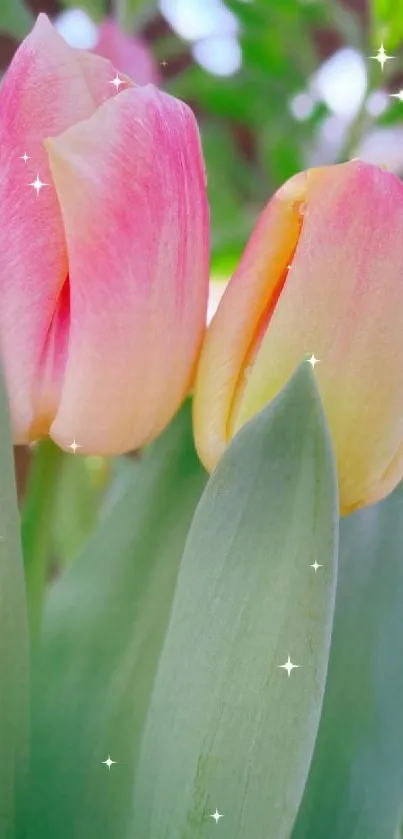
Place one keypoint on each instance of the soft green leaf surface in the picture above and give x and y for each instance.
(103, 629)
(16, 19)
(355, 787)
(227, 728)
(13, 640)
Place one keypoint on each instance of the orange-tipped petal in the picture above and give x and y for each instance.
(131, 186)
(342, 300)
(44, 92)
(248, 301)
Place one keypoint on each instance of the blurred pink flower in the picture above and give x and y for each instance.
(128, 54)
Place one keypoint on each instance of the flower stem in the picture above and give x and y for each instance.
(36, 527)
(121, 15)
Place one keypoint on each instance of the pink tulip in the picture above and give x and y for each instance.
(104, 270)
(129, 54)
(322, 275)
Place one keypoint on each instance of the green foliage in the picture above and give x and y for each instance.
(226, 727)
(356, 780)
(104, 627)
(13, 643)
(387, 22)
(16, 19)
(129, 13)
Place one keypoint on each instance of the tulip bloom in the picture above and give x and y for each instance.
(104, 268)
(322, 274)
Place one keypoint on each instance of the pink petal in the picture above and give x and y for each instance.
(43, 93)
(131, 187)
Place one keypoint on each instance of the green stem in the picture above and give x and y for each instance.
(121, 15)
(35, 526)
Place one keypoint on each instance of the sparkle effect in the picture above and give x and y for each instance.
(381, 57)
(312, 361)
(288, 666)
(117, 81)
(216, 816)
(315, 566)
(38, 184)
(109, 762)
(74, 446)
(398, 95)
(25, 157)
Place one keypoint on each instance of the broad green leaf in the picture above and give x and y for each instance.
(227, 728)
(16, 19)
(104, 626)
(355, 787)
(13, 641)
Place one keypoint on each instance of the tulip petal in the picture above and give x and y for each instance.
(43, 93)
(131, 187)
(248, 300)
(343, 302)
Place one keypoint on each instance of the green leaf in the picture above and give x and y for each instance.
(13, 641)
(16, 19)
(227, 728)
(103, 630)
(356, 780)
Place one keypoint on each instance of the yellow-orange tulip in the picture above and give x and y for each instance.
(322, 275)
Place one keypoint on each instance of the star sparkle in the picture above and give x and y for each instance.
(288, 666)
(216, 816)
(381, 57)
(398, 95)
(38, 184)
(74, 446)
(315, 566)
(109, 762)
(312, 361)
(25, 157)
(117, 81)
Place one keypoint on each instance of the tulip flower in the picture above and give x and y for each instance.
(322, 276)
(129, 54)
(103, 249)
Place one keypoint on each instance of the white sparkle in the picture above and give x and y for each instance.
(312, 361)
(109, 762)
(117, 81)
(74, 446)
(381, 57)
(164, 63)
(216, 816)
(398, 95)
(315, 566)
(288, 666)
(25, 157)
(38, 184)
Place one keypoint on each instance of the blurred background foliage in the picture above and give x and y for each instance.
(276, 85)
